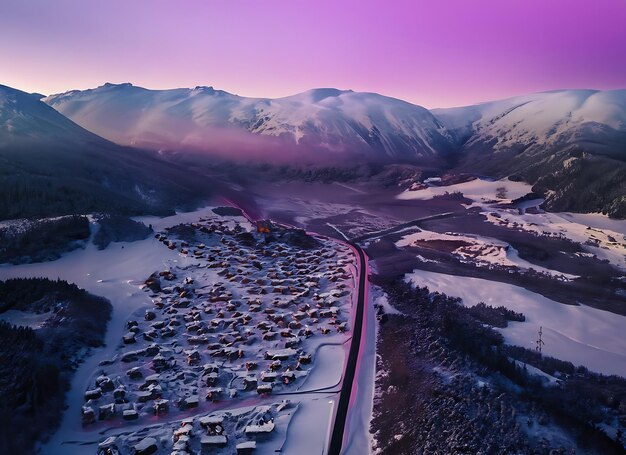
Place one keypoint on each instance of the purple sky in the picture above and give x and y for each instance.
(434, 53)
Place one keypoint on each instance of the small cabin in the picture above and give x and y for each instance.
(264, 226)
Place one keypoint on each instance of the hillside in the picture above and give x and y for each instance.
(571, 144)
(331, 121)
(51, 166)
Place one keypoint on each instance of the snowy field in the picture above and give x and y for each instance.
(597, 233)
(481, 251)
(478, 190)
(580, 334)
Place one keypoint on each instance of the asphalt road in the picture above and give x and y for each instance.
(339, 425)
(336, 441)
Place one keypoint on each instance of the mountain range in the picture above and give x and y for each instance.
(339, 122)
(571, 144)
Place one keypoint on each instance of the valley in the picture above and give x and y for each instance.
(244, 318)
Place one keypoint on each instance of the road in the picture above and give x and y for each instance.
(350, 372)
(339, 426)
(405, 225)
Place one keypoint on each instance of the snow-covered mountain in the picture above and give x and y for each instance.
(592, 119)
(52, 166)
(570, 144)
(24, 118)
(207, 119)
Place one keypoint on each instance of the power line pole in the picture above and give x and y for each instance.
(539, 343)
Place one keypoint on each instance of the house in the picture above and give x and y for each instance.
(134, 373)
(264, 226)
(119, 394)
(246, 447)
(161, 407)
(260, 428)
(93, 394)
(212, 441)
(190, 402)
(108, 446)
(288, 377)
(186, 429)
(88, 415)
(213, 424)
(104, 383)
(106, 411)
(264, 388)
(268, 376)
(193, 357)
(130, 414)
(250, 381)
(147, 446)
(211, 379)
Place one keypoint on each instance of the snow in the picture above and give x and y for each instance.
(579, 334)
(24, 116)
(381, 299)
(116, 274)
(598, 234)
(311, 426)
(329, 360)
(607, 240)
(25, 318)
(359, 440)
(482, 251)
(539, 119)
(478, 190)
(202, 118)
(596, 220)
(266, 427)
(537, 372)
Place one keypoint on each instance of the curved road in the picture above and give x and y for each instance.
(339, 426)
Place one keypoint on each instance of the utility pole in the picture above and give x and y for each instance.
(539, 343)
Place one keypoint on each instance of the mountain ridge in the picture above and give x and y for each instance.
(324, 119)
(564, 142)
(52, 166)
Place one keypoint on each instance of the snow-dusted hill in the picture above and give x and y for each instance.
(570, 144)
(24, 118)
(592, 119)
(207, 119)
(52, 166)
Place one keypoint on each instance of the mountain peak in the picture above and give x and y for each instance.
(319, 94)
(112, 85)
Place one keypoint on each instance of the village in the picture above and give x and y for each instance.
(237, 327)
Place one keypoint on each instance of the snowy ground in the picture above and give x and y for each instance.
(481, 251)
(598, 234)
(478, 190)
(118, 273)
(358, 439)
(580, 334)
(25, 318)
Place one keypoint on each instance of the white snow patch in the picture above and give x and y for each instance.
(25, 318)
(478, 190)
(579, 334)
(482, 251)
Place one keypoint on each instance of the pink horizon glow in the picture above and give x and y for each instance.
(436, 54)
